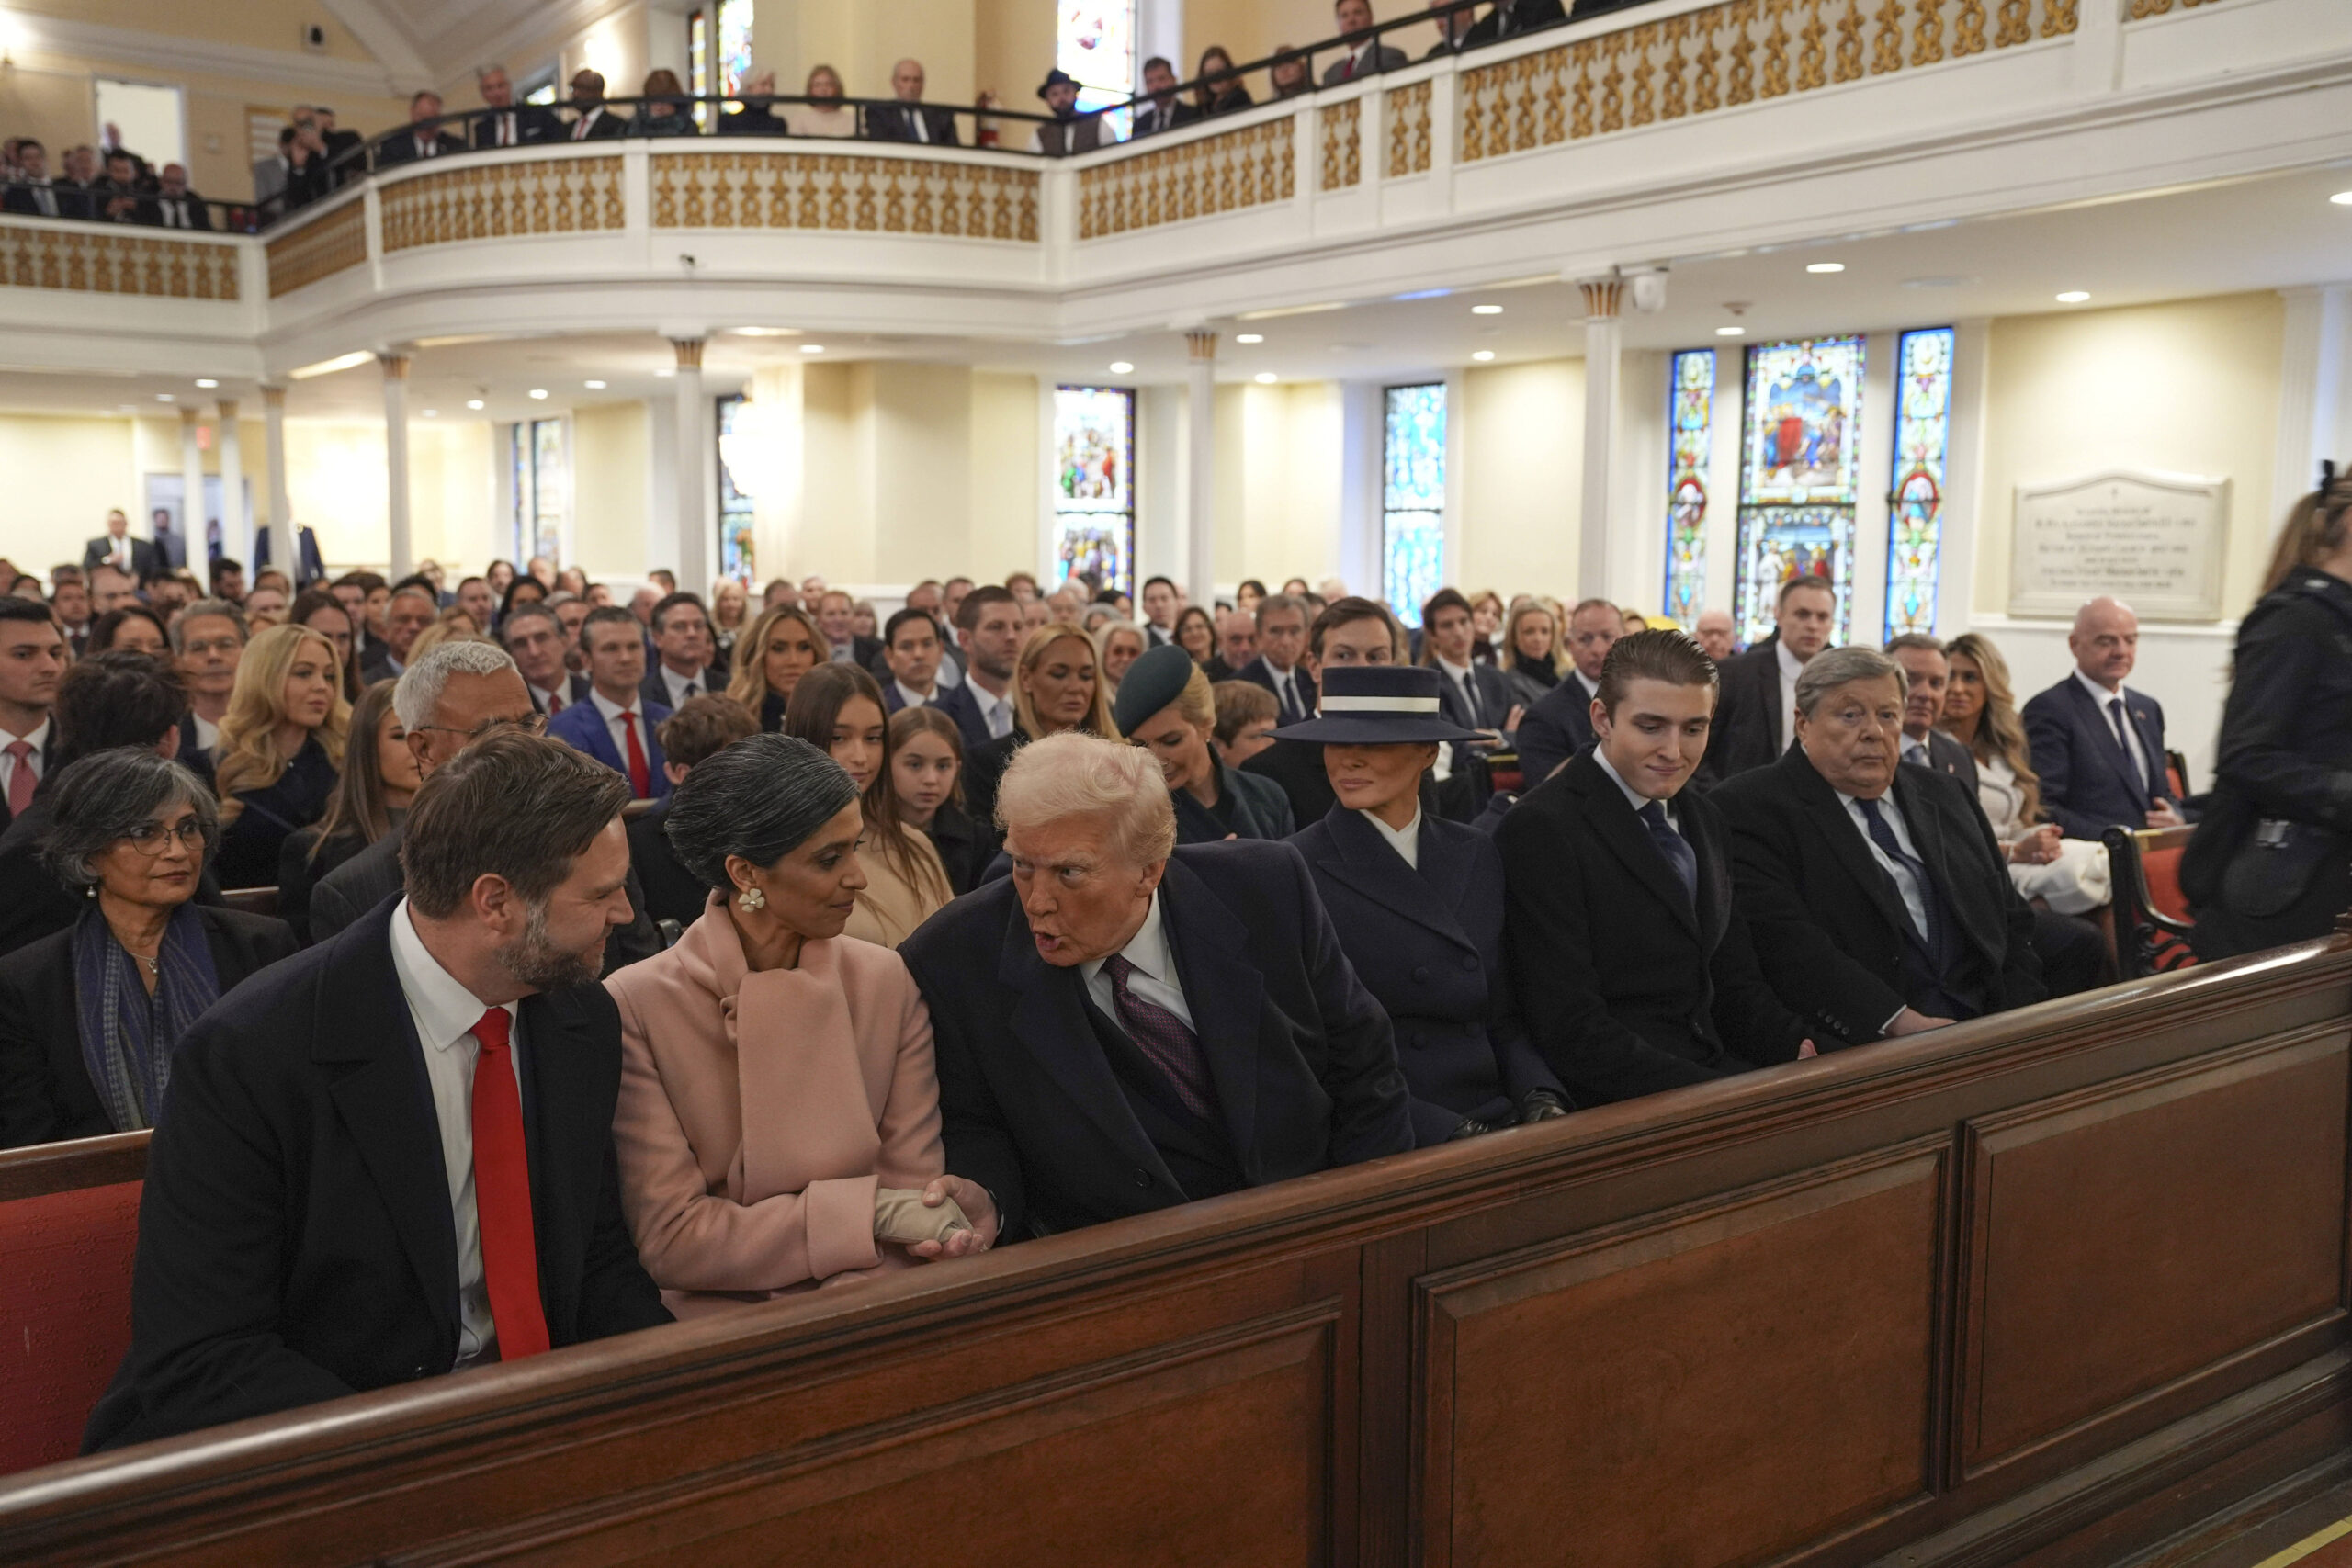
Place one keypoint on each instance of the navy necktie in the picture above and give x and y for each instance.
(1675, 848)
(1160, 1036)
(2132, 770)
(1883, 835)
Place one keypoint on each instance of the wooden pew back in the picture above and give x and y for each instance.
(69, 1225)
(2061, 1279)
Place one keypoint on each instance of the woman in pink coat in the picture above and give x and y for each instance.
(778, 1125)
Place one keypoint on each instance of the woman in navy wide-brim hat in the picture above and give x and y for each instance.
(1417, 902)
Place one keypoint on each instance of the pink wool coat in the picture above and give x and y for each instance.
(759, 1114)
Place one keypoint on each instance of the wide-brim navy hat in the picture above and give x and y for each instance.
(1379, 704)
(1057, 77)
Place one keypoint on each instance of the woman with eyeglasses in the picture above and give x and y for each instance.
(89, 1016)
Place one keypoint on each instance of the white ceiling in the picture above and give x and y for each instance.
(2274, 233)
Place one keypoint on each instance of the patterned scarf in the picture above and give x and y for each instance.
(127, 1036)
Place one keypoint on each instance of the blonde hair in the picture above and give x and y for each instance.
(247, 751)
(1999, 731)
(1071, 774)
(1520, 612)
(2313, 531)
(1033, 653)
(749, 683)
(1196, 704)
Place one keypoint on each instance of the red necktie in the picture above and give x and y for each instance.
(20, 777)
(554, 705)
(640, 777)
(509, 1258)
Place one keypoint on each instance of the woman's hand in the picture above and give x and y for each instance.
(2039, 847)
(978, 1208)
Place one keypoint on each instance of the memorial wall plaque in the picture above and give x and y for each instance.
(2152, 540)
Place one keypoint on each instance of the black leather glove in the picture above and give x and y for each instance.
(1540, 1105)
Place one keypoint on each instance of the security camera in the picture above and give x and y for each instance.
(314, 38)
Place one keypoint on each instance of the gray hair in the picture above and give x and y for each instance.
(482, 73)
(422, 684)
(109, 795)
(760, 798)
(1836, 667)
(1917, 640)
(560, 596)
(526, 610)
(1273, 604)
(221, 607)
(1071, 774)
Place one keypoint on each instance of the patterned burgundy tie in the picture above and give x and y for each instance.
(1162, 1036)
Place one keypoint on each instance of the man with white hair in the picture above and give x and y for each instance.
(508, 123)
(2098, 744)
(1123, 1025)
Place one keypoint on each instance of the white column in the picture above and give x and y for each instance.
(401, 547)
(281, 505)
(1199, 501)
(192, 518)
(695, 496)
(2315, 393)
(1362, 547)
(1603, 341)
(236, 525)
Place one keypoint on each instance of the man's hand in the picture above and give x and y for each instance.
(1806, 1052)
(1511, 720)
(2167, 815)
(2039, 847)
(1910, 1022)
(978, 1208)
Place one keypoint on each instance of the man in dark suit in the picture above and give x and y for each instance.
(534, 639)
(410, 609)
(1282, 643)
(837, 619)
(1471, 695)
(1366, 55)
(1350, 631)
(1511, 17)
(616, 724)
(173, 206)
(1629, 949)
(1453, 30)
(1161, 109)
(988, 622)
(307, 566)
(1560, 724)
(506, 123)
(33, 659)
(2098, 744)
(298, 1236)
(592, 122)
(1123, 1025)
(35, 194)
(423, 138)
(117, 548)
(1878, 901)
(1756, 719)
(908, 121)
(910, 656)
(683, 649)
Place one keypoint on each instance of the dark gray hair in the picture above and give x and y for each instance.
(109, 795)
(1836, 667)
(758, 798)
(221, 607)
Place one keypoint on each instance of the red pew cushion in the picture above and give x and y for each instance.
(64, 1315)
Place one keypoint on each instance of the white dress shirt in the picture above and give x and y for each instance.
(1460, 675)
(611, 712)
(555, 698)
(1286, 690)
(1790, 668)
(208, 734)
(1154, 978)
(445, 1013)
(1915, 901)
(677, 685)
(581, 127)
(2131, 746)
(912, 698)
(1634, 797)
(1591, 688)
(173, 209)
(1404, 840)
(37, 738)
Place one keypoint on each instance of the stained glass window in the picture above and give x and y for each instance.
(1094, 490)
(1915, 514)
(738, 559)
(698, 65)
(1412, 498)
(541, 479)
(1690, 401)
(1800, 472)
(734, 39)
(1096, 44)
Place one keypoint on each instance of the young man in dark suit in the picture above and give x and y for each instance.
(1756, 718)
(1630, 952)
(2098, 744)
(33, 660)
(117, 548)
(1560, 724)
(422, 140)
(1926, 675)
(1470, 694)
(391, 1157)
(617, 726)
(1880, 903)
(1123, 1025)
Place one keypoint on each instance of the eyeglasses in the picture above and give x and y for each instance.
(537, 724)
(157, 837)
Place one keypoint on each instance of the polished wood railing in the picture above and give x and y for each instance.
(2060, 1281)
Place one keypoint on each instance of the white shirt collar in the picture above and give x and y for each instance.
(611, 710)
(1459, 672)
(1404, 840)
(911, 697)
(1790, 665)
(1634, 797)
(1147, 950)
(443, 1008)
(1591, 688)
(36, 738)
(2098, 694)
(676, 684)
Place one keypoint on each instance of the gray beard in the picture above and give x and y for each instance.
(535, 962)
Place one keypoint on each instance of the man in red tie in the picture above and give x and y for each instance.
(535, 639)
(1366, 56)
(616, 724)
(32, 661)
(391, 1156)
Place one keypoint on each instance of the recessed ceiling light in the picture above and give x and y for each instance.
(2342, 198)
(1483, 356)
(432, 413)
(2074, 297)
(1266, 377)
(665, 373)
(1249, 337)
(539, 394)
(206, 382)
(1486, 310)
(164, 398)
(1731, 332)
(1121, 367)
(473, 403)
(812, 348)
(767, 332)
(593, 386)
(1826, 266)
(328, 367)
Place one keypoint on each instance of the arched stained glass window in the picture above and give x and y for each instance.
(1800, 472)
(1690, 401)
(1916, 499)
(734, 42)
(1095, 43)
(738, 558)
(1094, 486)
(1412, 498)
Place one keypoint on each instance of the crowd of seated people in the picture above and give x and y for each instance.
(1061, 936)
(116, 185)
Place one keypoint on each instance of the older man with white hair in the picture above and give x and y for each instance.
(1123, 1025)
(2098, 744)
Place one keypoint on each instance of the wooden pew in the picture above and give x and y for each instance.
(69, 1223)
(2058, 1282)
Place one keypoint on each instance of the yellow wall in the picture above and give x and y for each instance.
(861, 41)
(1523, 467)
(1013, 50)
(1278, 462)
(1004, 470)
(84, 467)
(612, 462)
(2188, 387)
